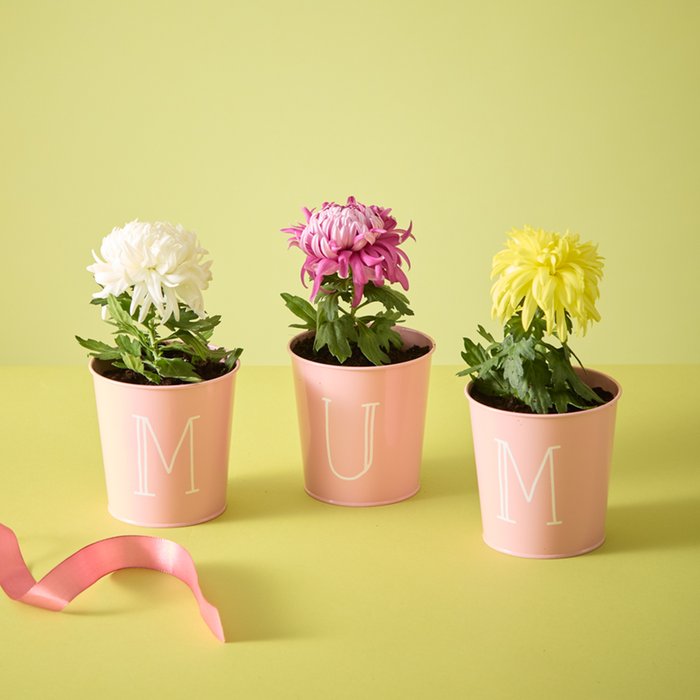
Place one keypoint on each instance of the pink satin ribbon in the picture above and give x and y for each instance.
(73, 575)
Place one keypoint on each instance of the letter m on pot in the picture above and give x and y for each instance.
(507, 464)
(146, 435)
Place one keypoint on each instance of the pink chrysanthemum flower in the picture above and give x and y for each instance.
(351, 238)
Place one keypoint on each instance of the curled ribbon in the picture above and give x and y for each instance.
(89, 564)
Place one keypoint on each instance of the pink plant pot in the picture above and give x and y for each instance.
(165, 448)
(543, 479)
(361, 428)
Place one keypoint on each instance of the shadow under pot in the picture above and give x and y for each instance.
(361, 428)
(543, 479)
(165, 449)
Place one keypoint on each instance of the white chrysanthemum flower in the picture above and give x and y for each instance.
(157, 264)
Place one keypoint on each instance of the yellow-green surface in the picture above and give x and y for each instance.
(401, 601)
(468, 117)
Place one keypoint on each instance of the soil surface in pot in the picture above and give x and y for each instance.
(305, 348)
(509, 403)
(209, 370)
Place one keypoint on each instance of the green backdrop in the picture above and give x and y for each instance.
(468, 118)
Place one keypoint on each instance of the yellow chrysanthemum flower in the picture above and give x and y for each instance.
(552, 271)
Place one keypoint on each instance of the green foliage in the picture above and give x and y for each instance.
(337, 325)
(301, 308)
(525, 367)
(139, 347)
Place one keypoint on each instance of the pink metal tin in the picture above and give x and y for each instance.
(543, 479)
(361, 428)
(165, 448)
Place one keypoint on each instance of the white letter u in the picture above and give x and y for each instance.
(370, 414)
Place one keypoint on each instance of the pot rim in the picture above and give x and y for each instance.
(155, 387)
(371, 368)
(552, 416)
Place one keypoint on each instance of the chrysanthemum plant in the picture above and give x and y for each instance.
(151, 277)
(546, 287)
(352, 252)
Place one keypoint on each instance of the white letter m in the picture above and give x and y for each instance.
(505, 456)
(143, 430)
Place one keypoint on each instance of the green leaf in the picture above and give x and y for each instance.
(153, 376)
(583, 396)
(565, 379)
(517, 366)
(583, 390)
(561, 401)
(191, 343)
(124, 321)
(128, 345)
(558, 365)
(330, 333)
(537, 394)
(333, 283)
(327, 308)
(382, 326)
(370, 346)
(518, 353)
(479, 360)
(192, 323)
(527, 368)
(485, 334)
(231, 358)
(468, 371)
(321, 337)
(474, 353)
(176, 368)
(514, 373)
(349, 328)
(301, 308)
(133, 363)
(124, 299)
(100, 350)
(390, 298)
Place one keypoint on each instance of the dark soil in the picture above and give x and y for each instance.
(509, 403)
(210, 370)
(305, 348)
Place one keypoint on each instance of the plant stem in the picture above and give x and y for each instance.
(153, 336)
(574, 354)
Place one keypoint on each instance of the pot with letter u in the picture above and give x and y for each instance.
(361, 378)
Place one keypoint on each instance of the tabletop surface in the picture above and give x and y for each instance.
(400, 601)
